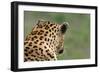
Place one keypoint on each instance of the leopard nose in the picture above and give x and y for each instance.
(61, 51)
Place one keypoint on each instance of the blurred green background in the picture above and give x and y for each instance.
(77, 38)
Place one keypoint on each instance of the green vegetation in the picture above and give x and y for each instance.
(77, 38)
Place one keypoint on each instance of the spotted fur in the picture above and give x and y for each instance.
(44, 42)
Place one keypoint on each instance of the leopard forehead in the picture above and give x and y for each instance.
(46, 25)
(45, 29)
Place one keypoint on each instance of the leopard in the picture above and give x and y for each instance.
(45, 41)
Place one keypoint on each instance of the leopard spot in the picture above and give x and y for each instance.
(41, 32)
(25, 59)
(45, 34)
(25, 43)
(47, 50)
(26, 54)
(33, 38)
(49, 30)
(30, 51)
(27, 47)
(36, 41)
(51, 56)
(45, 39)
(54, 27)
(50, 35)
(55, 30)
(25, 50)
(34, 46)
(36, 59)
(51, 25)
(47, 27)
(41, 43)
(45, 47)
(41, 37)
(33, 55)
(29, 58)
(30, 44)
(47, 43)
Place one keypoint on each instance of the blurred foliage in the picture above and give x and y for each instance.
(77, 38)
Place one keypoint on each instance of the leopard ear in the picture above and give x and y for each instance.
(64, 27)
(40, 21)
